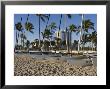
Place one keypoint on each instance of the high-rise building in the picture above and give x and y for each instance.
(64, 36)
(61, 35)
(68, 40)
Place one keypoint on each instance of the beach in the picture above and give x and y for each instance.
(25, 65)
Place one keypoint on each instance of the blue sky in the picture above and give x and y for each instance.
(76, 19)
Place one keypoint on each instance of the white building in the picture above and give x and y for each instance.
(64, 36)
(61, 35)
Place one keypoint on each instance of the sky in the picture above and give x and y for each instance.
(76, 19)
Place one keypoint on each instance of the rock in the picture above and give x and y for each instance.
(26, 66)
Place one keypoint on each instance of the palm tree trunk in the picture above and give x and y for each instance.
(21, 42)
(16, 38)
(39, 31)
(80, 46)
(92, 46)
(50, 44)
(60, 28)
(66, 32)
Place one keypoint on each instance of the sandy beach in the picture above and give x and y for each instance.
(25, 65)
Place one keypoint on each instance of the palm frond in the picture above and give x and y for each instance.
(29, 26)
(77, 32)
(19, 26)
(72, 28)
(31, 31)
(69, 16)
(42, 19)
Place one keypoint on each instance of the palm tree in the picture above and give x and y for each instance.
(29, 26)
(75, 44)
(85, 26)
(36, 42)
(72, 28)
(19, 29)
(23, 39)
(43, 36)
(58, 43)
(52, 27)
(46, 43)
(60, 22)
(41, 17)
(48, 32)
(43, 33)
(27, 44)
(93, 39)
(85, 39)
(65, 24)
(81, 32)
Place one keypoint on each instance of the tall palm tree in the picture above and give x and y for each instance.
(52, 27)
(48, 32)
(19, 28)
(85, 39)
(43, 33)
(72, 28)
(22, 39)
(65, 24)
(93, 39)
(60, 22)
(41, 17)
(58, 43)
(86, 25)
(43, 36)
(81, 32)
(27, 44)
(28, 25)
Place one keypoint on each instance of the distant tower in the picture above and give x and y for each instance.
(64, 36)
(68, 40)
(61, 35)
(58, 34)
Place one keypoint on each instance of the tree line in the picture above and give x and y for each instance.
(48, 41)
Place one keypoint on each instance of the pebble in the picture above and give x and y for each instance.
(26, 66)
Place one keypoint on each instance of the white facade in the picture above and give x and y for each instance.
(64, 36)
